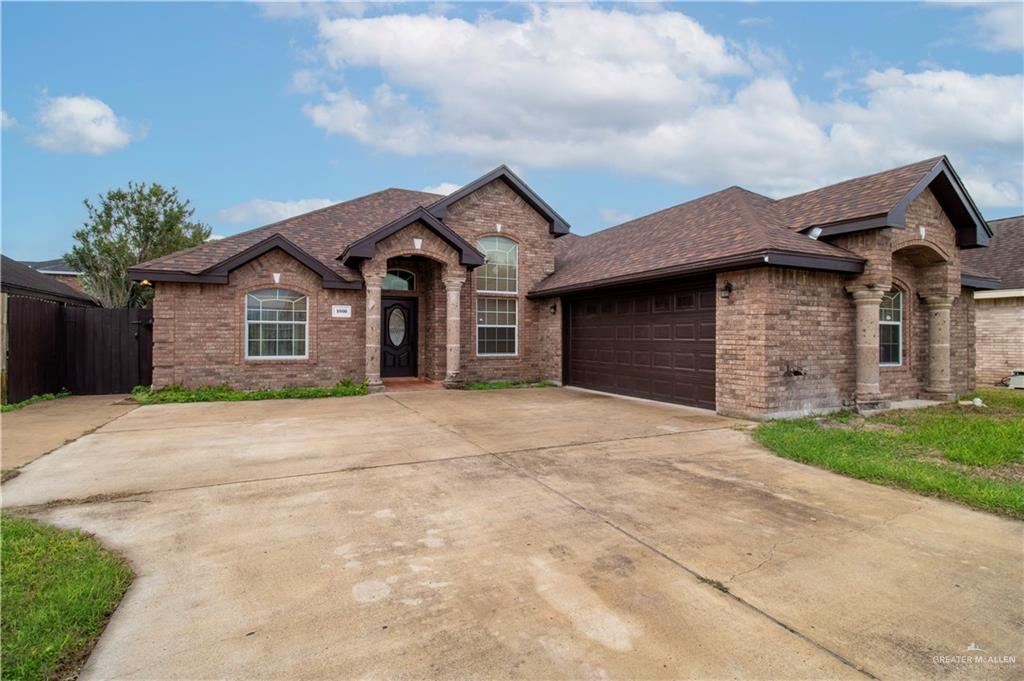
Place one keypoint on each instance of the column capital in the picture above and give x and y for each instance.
(866, 295)
(939, 301)
(373, 279)
(453, 283)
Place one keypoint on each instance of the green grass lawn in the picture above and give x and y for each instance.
(175, 393)
(4, 408)
(968, 454)
(59, 588)
(505, 385)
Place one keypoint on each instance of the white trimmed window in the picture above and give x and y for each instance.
(890, 329)
(275, 324)
(500, 272)
(496, 329)
(497, 313)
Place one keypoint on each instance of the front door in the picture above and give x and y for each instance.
(398, 337)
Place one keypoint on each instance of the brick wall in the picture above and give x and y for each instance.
(199, 329)
(1000, 338)
(784, 343)
(198, 332)
(540, 329)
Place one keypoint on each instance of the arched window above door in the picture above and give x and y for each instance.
(399, 280)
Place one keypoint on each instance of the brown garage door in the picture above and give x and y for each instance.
(654, 342)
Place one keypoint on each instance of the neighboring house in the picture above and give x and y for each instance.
(851, 294)
(1000, 313)
(21, 279)
(59, 270)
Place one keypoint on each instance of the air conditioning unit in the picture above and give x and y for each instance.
(1017, 380)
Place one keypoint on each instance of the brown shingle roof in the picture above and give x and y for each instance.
(20, 279)
(855, 199)
(730, 224)
(722, 226)
(322, 233)
(1004, 257)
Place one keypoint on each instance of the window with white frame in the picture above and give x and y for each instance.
(276, 325)
(497, 314)
(500, 272)
(890, 329)
(496, 329)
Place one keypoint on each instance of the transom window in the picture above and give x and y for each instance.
(890, 329)
(500, 272)
(275, 324)
(496, 330)
(399, 280)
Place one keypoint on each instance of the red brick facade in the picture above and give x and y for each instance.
(199, 329)
(785, 338)
(1000, 337)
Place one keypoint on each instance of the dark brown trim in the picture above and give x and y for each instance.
(139, 274)
(971, 229)
(979, 282)
(558, 225)
(769, 258)
(28, 292)
(331, 279)
(218, 274)
(366, 247)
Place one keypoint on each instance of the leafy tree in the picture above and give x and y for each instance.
(127, 227)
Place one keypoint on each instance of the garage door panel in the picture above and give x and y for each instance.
(658, 344)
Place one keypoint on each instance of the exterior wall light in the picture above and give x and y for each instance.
(554, 308)
(726, 290)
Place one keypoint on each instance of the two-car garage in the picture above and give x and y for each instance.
(653, 341)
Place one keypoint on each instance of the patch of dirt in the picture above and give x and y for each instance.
(852, 423)
(1007, 472)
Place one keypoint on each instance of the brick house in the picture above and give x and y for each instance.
(999, 314)
(58, 269)
(847, 295)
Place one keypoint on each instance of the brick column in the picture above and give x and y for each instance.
(453, 319)
(939, 386)
(868, 300)
(373, 282)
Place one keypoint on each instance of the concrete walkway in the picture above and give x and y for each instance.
(28, 433)
(516, 534)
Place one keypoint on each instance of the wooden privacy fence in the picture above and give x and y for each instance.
(88, 350)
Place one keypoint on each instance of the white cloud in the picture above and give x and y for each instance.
(613, 216)
(83, 125)
(654, 94)
(1001, 26)
(755, 21)
(7, 121)
(265, 211)
(445, 188)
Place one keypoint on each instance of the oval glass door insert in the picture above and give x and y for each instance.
(396, 326)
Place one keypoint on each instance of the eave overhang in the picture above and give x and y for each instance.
(558, 225)
(29, 292)
(971, 229)
(769, 258)
(979, 282)
(366, 247)
(218, 274)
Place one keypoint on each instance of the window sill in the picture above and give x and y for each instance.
(278, 360)
(498, 355)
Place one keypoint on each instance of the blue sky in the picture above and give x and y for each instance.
(609, 111)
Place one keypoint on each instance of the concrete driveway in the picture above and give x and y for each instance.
(542, 533)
